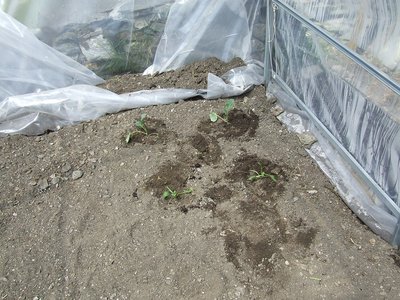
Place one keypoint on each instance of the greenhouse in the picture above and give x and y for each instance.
(245, 149)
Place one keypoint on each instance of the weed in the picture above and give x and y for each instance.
(229, 105)
(171, 193)
(141, 128)
(260, 175)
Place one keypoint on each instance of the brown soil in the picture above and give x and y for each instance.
(193, 76)
(109, 234)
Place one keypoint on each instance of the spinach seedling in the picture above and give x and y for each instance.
(171, 193)
(140, 128)
(260, 175)
(229, 105)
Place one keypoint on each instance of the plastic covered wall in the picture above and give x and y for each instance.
(369, 27)
(361, 112)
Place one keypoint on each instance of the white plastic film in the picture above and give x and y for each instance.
(108, 37)
(199, 29)
(27, 65)
(35, 113)
(369, 27)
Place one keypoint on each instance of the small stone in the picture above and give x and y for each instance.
(32, 183)
(372, 242)
(307, 139)
(312, 192)
(77, 174)
(55, 180)
(43, 184)
(66, 167)
(287, 263)
(3, 279)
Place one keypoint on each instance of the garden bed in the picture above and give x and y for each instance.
(84, 213)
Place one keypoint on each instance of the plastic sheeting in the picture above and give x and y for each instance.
(36, 113)
(28, 65)
(199, 29)
(358, 110)
(118, 36)
(109, 37)
(369, 27)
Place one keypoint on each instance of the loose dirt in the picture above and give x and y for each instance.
(109, 233)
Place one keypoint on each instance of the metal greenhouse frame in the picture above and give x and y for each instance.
(275, 7)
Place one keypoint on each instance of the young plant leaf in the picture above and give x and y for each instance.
(171, 193)
(166, 195)
(228, 106)
(213, 117)
(140, 125)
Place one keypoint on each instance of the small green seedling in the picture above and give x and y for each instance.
(140, 125)
(140, 128)
(229, 105)
(260, 175)
(171, 193)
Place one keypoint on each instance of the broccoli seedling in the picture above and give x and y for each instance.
(260, 175)
(171, 193)
(229, 105)
(141, 128)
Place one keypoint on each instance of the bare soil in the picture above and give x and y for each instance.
(82, 213)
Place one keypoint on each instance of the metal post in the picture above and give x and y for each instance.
(396, 234)
(268, 43)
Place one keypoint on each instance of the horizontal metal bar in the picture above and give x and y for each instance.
(381, 194)
(382, 77)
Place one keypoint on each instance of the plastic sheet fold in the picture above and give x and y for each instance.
(28, 65)
(36, 113)
(196, 30)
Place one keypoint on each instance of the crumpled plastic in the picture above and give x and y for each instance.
(36, 113)
(199, 29)
(28, 65)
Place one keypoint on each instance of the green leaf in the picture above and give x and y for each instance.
(140, 124)
(273, 177)
(229, 106)
(213, 117)
(166, 194)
